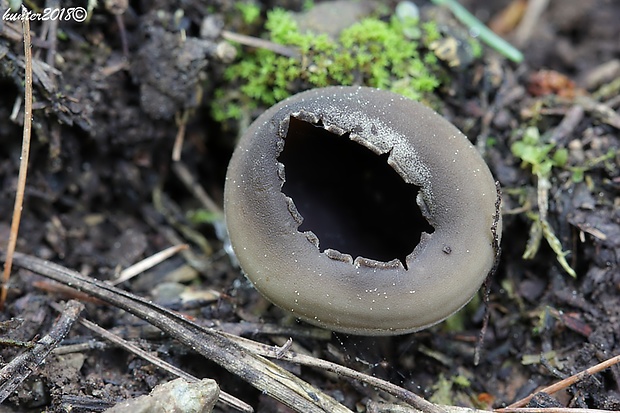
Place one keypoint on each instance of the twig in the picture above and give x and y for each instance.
(26, 363)
(174, 215)
(599, 110)
(566, 382)
(23, 165)
(260, 43)
(81, 347)
(567, 126)
(149, 262)
(256, 370)
(535, 9)
(195, 188)
(52, 36)
(181, 121)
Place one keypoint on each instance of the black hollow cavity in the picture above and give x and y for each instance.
(350, 197)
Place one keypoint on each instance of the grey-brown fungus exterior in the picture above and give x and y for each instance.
(361, 211)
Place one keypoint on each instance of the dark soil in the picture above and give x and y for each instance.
(102, 194)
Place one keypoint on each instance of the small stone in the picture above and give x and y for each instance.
(175, 396)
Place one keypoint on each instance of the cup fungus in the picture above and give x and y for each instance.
(361, 211)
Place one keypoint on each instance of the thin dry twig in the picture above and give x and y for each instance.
(181, 171)
(23, 166)
(569, 381)
(149, 262)
(173, 214)
(260, 43)
(92, 344)
(15, 372)
(535, 9)
(52, 35)
(181, 121)
(599, 110)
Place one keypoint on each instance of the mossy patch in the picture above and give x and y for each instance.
(373, 52)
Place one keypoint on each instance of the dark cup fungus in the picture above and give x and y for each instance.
(361, 211)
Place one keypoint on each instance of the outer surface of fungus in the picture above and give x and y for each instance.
(294, 267)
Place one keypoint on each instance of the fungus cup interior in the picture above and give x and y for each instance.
(348, 196)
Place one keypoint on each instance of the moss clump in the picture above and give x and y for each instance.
(250, 12)
(372, 52)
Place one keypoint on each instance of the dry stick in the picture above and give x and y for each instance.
(566, 382)
(23, 166)
(132, 348)
(183, 173)
(256, 370)
(530, 20)
(181, 121)
(52, 35)
(148, 263)
(26, 363)
(305, 360)
(260, 43)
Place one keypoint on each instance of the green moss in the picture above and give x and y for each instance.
(250, 12)
(307, 5)
(371, 52)
(431, 32)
